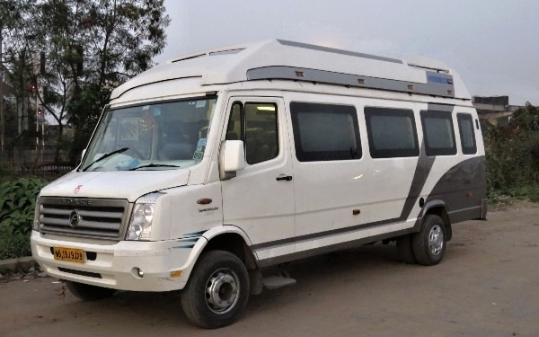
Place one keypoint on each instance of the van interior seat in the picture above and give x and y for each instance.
(177, 142)
(178, 151)
(260, 145)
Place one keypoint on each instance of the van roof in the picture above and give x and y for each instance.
(281, 59)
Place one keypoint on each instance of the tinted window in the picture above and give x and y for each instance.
(391, 132)
(467, 135)
(438, 133)
(325, 132)
(256, 125)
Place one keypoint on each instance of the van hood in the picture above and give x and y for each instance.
(129, 185)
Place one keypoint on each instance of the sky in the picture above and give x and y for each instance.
(493, 44)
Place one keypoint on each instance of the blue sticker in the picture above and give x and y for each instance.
(128, 164)
(202, 142)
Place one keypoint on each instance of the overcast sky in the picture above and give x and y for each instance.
(493, 44)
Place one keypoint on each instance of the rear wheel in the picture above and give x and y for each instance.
(430, 243)
(217, 290)
(87, 292)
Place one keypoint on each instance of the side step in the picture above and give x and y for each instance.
(275, 282)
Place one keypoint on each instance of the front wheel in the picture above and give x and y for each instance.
(430, 243)
(217, 291)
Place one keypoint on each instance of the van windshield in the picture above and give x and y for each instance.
(163, 136)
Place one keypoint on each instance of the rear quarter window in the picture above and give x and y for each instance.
(391, 132)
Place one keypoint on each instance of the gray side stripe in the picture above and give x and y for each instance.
(422, 171)
(441, 107)
(431, 88)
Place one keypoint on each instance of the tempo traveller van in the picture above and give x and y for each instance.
(208, 169)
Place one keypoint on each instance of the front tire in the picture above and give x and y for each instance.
(88, 292)
(430, 243)
(217, 291)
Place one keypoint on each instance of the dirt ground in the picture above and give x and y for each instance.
(487, 285)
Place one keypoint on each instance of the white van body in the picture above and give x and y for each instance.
(361, 149)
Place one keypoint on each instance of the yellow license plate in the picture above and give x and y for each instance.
(69, 254)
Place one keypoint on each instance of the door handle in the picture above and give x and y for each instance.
(284, 178)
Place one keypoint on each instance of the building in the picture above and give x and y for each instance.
(494, 110)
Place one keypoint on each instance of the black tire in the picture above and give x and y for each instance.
(430, 243)
(217, 291)
(405, 249)
(87, 292)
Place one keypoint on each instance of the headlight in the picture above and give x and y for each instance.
(140, 226)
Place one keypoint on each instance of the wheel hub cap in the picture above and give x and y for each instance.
(436, 240)
(222, 291)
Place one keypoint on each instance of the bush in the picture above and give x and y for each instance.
(4, 174)
(13, 245)
(513, 156)
(17, 204)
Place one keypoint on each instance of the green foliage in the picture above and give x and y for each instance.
(513, 156)
(17, 204)
(13, 245)
(3, 172)
(90, 47)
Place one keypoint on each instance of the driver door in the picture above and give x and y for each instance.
(260, 199)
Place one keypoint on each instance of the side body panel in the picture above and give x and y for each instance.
(342, 203)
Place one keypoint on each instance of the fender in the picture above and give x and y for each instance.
(426, 208)
(203, 241)
(431, 204)
(227, 229)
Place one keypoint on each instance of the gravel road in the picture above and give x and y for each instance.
(487, 285)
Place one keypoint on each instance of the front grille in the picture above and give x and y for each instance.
(84, 217)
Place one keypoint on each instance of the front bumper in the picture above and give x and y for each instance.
(166, 264)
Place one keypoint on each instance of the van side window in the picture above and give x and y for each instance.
(391, 132)
(438, 133)
(467, 135)
(256, 125)
(324, 132)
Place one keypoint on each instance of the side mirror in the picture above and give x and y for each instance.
(231, 158)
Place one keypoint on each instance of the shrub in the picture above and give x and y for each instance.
(13, 245)
(17, 204)
(513, 156)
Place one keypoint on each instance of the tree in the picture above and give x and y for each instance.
(77, 51)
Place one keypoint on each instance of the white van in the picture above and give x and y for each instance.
(206, 170)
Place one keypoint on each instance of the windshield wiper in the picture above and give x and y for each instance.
(105, 156)
(152, 165)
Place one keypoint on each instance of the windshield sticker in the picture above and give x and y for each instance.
(198, 155)
(201, 104)
(146, 107)
(127, 164)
